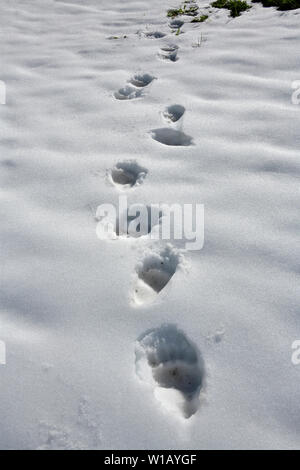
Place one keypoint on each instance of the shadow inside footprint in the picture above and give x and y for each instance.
(158, 269)
(176, 24)
(169, 53)
(156, 278)
(141, 80)
(128, 93)
(154, 274)
(154, 35)
(171, 137)
(173, 113)
(172, 365)
(127, 174)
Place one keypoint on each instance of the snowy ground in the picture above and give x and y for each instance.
(66, 312)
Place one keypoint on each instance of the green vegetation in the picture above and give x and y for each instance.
(186, 9)
(117, 37)
(199, 19)
(282, 5)
(236, 7)
(173, 12)
(191, 11)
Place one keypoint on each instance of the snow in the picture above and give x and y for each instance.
(67, 315)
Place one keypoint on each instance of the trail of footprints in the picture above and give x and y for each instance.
(165, 358)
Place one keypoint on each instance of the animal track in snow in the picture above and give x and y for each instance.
(127, 174)
(176, 24)
(154, 273)
(167, 361)
(135, 87)
(153, 35)
(173, 113)
(128, 93)
(171, 137)
(169, 52)
(141, 80)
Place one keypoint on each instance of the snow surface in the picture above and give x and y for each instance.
(67, 315)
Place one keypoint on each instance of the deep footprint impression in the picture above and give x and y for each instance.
(127, 174)
(134, 89)
(128, 93)
(169, 53)
(173, 113)
(154, 273)
(141, 80)
(153, 35)
(176, 24)
(168, 362)
(171, 137)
